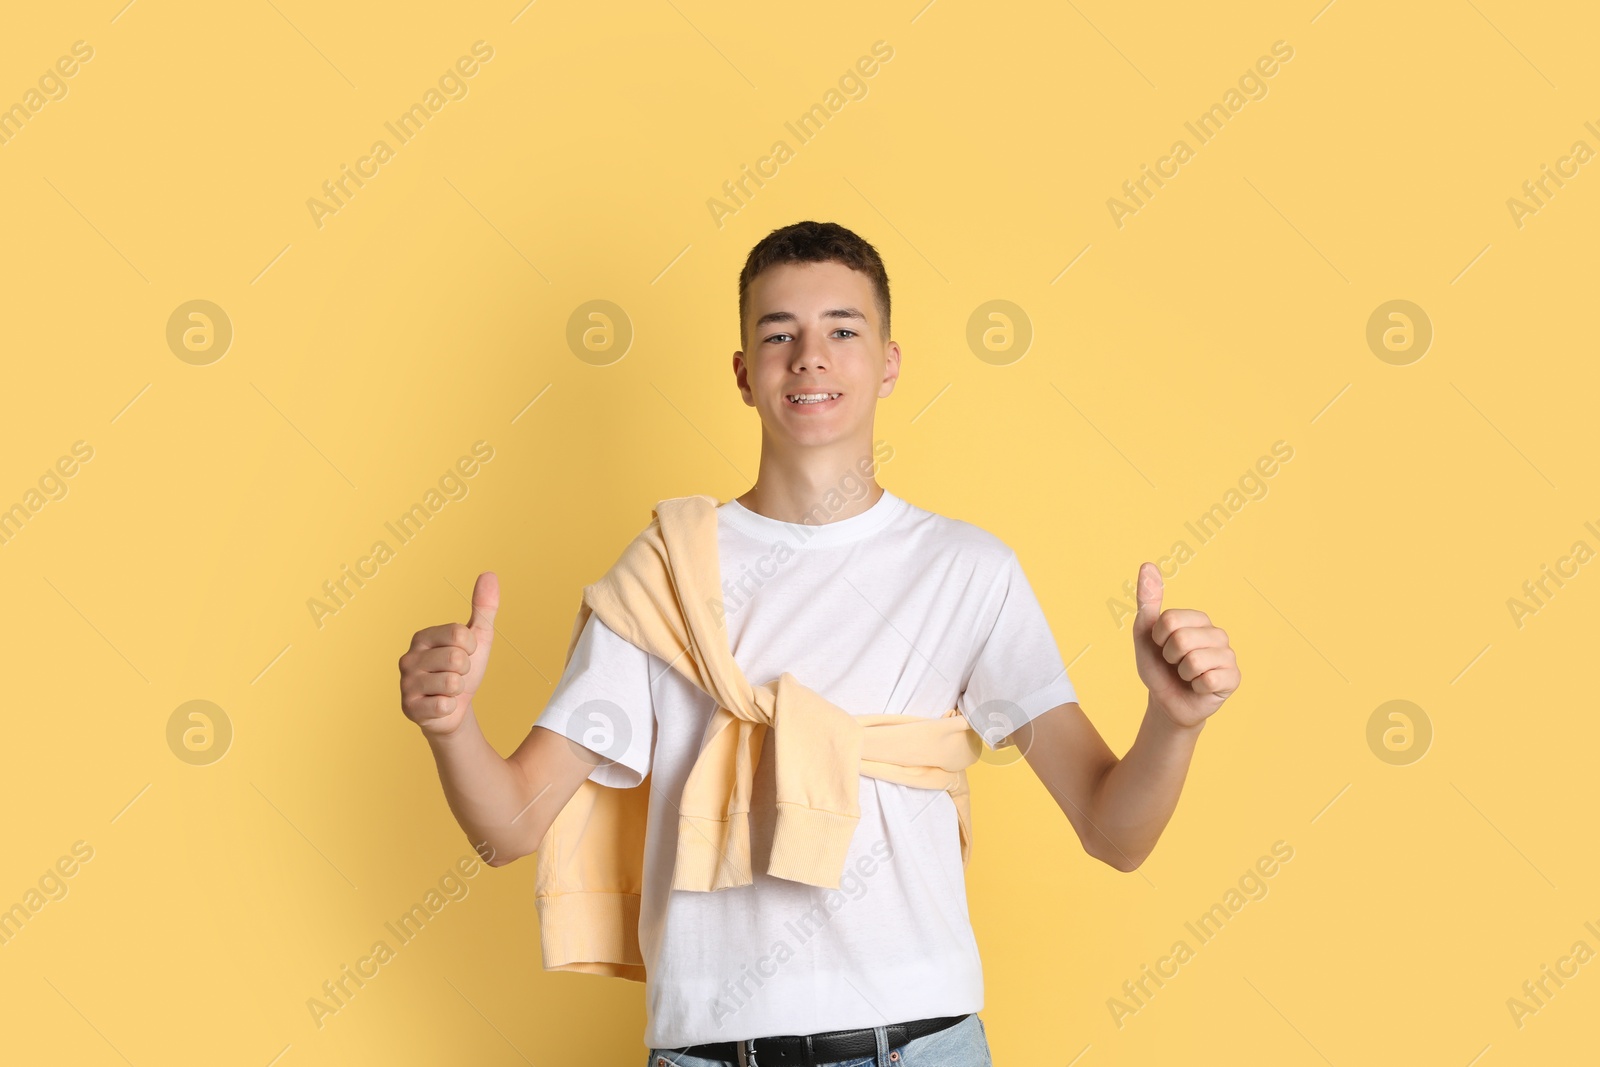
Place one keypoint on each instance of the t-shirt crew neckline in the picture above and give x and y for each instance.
(812, 535)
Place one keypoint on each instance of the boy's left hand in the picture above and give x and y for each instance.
(1183, 660)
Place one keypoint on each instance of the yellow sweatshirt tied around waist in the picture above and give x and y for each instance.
(664, 595)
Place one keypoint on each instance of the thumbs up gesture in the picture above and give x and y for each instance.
(1182, 659)
(441, 671)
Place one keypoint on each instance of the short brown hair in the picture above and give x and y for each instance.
(815, 242)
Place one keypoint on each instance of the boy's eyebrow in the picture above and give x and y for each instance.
(790, 317)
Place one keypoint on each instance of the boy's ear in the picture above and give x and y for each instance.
(740, 379)
(891, 368)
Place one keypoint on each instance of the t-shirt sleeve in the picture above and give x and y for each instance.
(1017, 672)
(603, 702)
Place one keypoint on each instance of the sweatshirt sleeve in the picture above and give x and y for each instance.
(602, 703)
(1017, 672)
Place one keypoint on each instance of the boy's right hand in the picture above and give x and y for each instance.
(441, 671)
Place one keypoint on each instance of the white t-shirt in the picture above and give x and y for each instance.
(893, 610)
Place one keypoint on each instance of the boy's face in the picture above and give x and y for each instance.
(815, 328)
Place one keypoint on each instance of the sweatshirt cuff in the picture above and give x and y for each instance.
(810, 845)
(712, 853)
(589, 928)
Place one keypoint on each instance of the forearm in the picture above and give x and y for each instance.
(1137, 795)
(487, 792)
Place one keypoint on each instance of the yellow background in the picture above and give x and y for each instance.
(368, 354)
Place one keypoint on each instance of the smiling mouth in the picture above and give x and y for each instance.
(810, 399)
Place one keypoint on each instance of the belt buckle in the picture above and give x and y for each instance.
(747, 1052)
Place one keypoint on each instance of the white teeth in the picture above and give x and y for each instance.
(811, 398)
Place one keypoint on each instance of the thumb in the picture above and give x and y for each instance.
(485, 602)
(1148, 597)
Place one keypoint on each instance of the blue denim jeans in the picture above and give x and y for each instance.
(963, 1045)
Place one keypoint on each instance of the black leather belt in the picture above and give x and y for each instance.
(808, 1050)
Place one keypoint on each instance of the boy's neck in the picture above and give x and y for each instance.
(812, 493)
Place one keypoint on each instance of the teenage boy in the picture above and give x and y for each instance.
(884, 609)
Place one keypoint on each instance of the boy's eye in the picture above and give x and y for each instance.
(842, 329)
